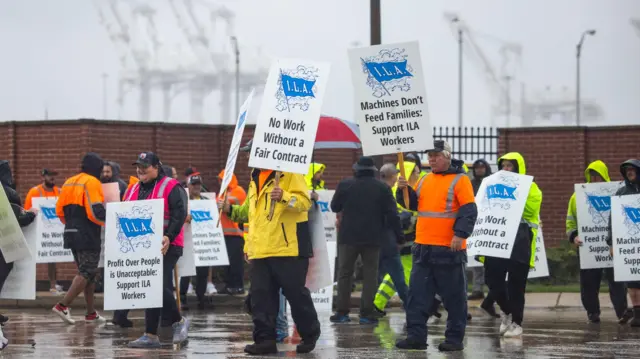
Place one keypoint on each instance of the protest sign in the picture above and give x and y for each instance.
(390, 98)
(593, 206)
(323, 297)
(541, 268)
(186, 264)
(49, 233)
(209, 246)
(318, 275)
(12, 242)
(288, 120)
(21, 282)
(111, 192)
(133, 257)
(500, 200)
(235, 143)
(328, 217)
(625, 233)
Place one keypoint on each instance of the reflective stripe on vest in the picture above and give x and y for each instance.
(419, 186)
(530, 224)
(86, 193)
(448, 213)
(41, 192)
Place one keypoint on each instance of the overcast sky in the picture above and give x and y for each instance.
(55, 52)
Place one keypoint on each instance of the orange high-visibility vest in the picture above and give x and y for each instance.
(439, 198)
(39, 191)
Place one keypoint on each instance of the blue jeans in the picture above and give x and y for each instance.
(437, 270)
(282, 324)
(391, 264)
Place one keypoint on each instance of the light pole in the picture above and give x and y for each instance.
(234, 40)
(508, 99)
(578, 54)
(460, 80)
(375, 33)
(105, 76)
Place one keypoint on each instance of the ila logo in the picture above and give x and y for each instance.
(632, 219)
(135, 228)
(324, 206)
(202, 219)
(49, 216)
(296, 88)
(501, 194)
(388, 71)
(598, 206)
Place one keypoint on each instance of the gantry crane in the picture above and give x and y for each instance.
(636, 25)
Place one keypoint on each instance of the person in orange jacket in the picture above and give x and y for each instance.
(233, 237)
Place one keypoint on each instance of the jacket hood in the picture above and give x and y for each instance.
(314, 168)
(115, 168)
(92, 164)
(234, 180)
(514, 156)
(599, 167)
(6, 178)
(409, 167)
(482, 161)
(634, 163)
(133, 180)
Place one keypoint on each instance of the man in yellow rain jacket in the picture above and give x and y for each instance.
(510, 295)
(590, 279)
(279, 250)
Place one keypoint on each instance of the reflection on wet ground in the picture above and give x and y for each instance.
(548, 334)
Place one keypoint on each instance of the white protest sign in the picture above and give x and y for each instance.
(541, 268)
(12, 242)
(625, 233)
(49, 232)
(111, 192)
(318, 275)
(208, 239)
(186, 264)
(230, 167)
(289, 115)
(323, 297)
(390, 98)
(328, 217)
(101, 262)
(133, 257)
(21, 282)
(500, 200)
(593, 206)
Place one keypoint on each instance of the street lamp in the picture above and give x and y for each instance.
(234, 41)
(456, 20)
(578, 54)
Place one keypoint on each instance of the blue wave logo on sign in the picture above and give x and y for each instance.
(135, 228)
(49, 213)
(296, 88)
(324, 206)
(388, 71)
(599, 203)
(632, 219)
(501, 191)
(201, 216)
(241, 120)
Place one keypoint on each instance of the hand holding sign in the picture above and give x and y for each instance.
(165, 245)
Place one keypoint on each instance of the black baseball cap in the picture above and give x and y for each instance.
(48, 172)
(440, 146)
(147, 159)
(190, 171)
(195, 179)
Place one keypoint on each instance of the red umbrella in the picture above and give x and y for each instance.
(337, 133)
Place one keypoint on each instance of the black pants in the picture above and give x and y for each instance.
(268, 275)
(234, 273)
(202, 273)
(347, 256)
(510, 294)
(5, 269)
(169, 305)
(590, 280)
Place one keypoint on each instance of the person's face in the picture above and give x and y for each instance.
(318, 176)
(438, 161)
(174, 173)
(146, 173)
(195, 189)
(49, 181)
(479, 170)
(107, 172)
(508, 166)
(631, 174)
(596, 178)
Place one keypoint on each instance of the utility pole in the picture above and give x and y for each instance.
(508, 99)
(578, 54)
(460, 79)
(104, 95)
(376, 39)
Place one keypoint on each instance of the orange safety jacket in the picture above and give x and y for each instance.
(440, 196)
(39, 191)
(235, 195)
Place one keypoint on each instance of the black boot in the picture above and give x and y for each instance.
(635, 322)
(308, 344)
(262, 348)
(626, 317)
(594, 318)
(409, 344)
(450, 347)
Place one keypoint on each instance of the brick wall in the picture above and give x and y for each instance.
(557, 157)
(60, 145)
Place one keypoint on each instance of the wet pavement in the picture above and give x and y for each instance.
(548, 334)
